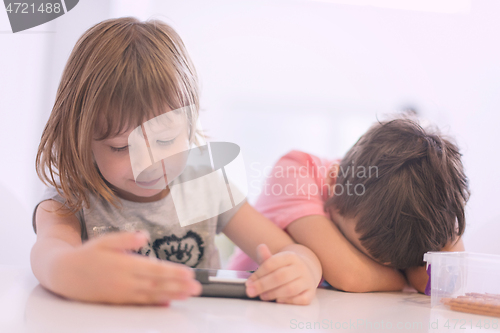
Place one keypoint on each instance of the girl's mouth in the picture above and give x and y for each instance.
(146, 184)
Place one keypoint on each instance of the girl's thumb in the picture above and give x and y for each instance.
(123, 241)
(263, 253)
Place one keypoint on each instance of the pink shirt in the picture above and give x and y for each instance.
(295, 188)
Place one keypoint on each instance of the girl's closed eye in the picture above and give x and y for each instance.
(119, 149)
(165, 142)
(159, 142)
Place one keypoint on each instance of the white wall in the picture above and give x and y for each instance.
(280, 75)
(23, 59)
(32, 64)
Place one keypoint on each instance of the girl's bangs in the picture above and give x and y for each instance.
(126, 112)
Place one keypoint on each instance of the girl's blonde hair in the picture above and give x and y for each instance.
(120, 72)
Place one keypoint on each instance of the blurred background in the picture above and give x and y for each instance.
(278, 75)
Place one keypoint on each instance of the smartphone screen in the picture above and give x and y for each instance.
(206, 276)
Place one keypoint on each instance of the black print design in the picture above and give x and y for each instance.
(147, 251)
(187, 250)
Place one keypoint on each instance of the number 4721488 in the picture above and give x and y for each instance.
(25, 8)
(464, 324)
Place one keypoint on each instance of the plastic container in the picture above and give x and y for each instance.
(456, 274)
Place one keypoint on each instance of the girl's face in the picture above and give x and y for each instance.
(170, 139)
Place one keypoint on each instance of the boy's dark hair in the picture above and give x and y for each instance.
(415, 201)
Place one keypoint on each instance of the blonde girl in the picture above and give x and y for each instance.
(96, 217)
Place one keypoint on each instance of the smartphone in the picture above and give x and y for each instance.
(222, 283)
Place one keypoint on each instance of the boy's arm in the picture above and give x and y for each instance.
(417, 276)
(291, 275)
(103, 269)
(344, 266)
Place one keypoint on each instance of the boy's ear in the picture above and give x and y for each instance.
(333, 172)
(331, 178)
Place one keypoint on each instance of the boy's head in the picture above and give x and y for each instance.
(407, 192)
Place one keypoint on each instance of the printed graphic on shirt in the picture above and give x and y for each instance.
(187, 250)
(147, 251)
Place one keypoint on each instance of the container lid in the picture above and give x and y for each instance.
(475, 257)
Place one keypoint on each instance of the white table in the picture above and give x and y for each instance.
(27, 307)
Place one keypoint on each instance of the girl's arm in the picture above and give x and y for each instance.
(103, 269)
(344, 266)
(417, 276)
(289, 272)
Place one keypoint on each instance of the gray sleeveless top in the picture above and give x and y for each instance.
(192, 245)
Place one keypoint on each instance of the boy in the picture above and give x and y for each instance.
(399, 192)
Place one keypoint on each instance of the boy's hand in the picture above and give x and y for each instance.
(104, 270)
(285, 277)
(417, 276)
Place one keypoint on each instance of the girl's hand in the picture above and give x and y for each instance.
(285, 277)
(103, 270)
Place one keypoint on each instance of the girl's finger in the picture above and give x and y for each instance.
(166, 286)
(147, 298)
(122, 241)
(160, 294)
(144, 267)
(290, 289)
(271, 281)
(303, 298)
(263, 253)
(177, 287)
(270, 265)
